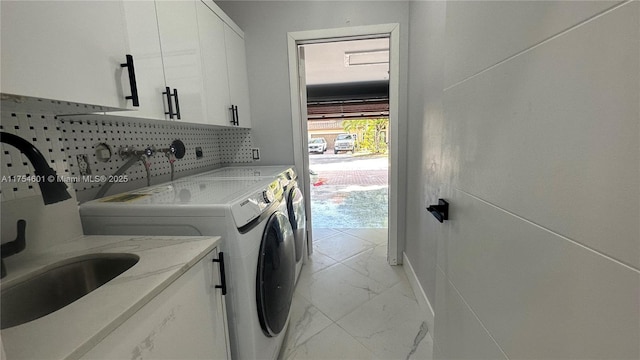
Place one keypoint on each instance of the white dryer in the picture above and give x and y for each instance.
(251, 216)
(292, 193)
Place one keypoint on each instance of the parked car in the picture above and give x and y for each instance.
(344, 142)
(317, 145)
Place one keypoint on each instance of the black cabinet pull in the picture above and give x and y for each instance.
(223, 278)
(169, 95)
(234, 115)
(237, 117)
(440, 211)
(132, 81)
(175, 97)
(167, 92)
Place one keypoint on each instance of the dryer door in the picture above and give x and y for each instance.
(276, 274)
(295, 207)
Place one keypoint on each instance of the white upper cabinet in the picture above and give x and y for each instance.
(163, 38)
(214, 65)
(238, 80)
(144, 45)
(188, 58)
(192, 64)
(237, 109)
(65, 50)
(179, 39)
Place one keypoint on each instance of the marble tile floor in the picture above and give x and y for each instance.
(349, 303)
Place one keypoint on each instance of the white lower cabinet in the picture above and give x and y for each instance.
(187, 320)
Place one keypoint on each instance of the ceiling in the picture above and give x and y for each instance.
(347, 71)
(347, 61)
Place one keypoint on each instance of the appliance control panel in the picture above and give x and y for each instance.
(254, 205)
(286, 178)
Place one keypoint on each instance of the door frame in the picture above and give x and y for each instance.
(298, 114)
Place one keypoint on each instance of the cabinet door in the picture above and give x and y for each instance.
(178, 27)
(214, 64)
(144, 45)
(65, 50)
(187, 320)
(238, 80)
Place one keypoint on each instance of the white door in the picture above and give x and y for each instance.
(304, 175)
(543, 245)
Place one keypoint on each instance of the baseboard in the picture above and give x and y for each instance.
(421, 296)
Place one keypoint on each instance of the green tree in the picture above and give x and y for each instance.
(371, 133)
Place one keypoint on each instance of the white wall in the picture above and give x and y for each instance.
(266, 24)
(536, 146)
(426, 180)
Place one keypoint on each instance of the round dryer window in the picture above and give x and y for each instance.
(276, 274)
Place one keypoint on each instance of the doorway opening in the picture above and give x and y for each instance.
(347, 118)
(347, 86)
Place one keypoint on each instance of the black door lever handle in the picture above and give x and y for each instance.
(440, 211)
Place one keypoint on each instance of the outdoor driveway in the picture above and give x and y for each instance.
(349, 191)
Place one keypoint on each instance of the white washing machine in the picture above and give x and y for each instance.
(292, 193)
(251, 216)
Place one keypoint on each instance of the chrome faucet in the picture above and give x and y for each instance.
(53, 190)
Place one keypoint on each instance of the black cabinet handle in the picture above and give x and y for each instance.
(167, 92)
(234, 115)
(237, 117)
(440, 211)
(223, 278)
(132, 81)
(169, 95)
(175, 97)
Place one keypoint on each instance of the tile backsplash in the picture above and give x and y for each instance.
(63, 140)
(44, 133)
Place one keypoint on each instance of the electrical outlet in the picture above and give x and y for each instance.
(255, 154)
(83, 164)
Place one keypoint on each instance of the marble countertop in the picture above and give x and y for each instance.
(73, 330)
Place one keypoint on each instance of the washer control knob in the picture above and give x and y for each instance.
(268, 196)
